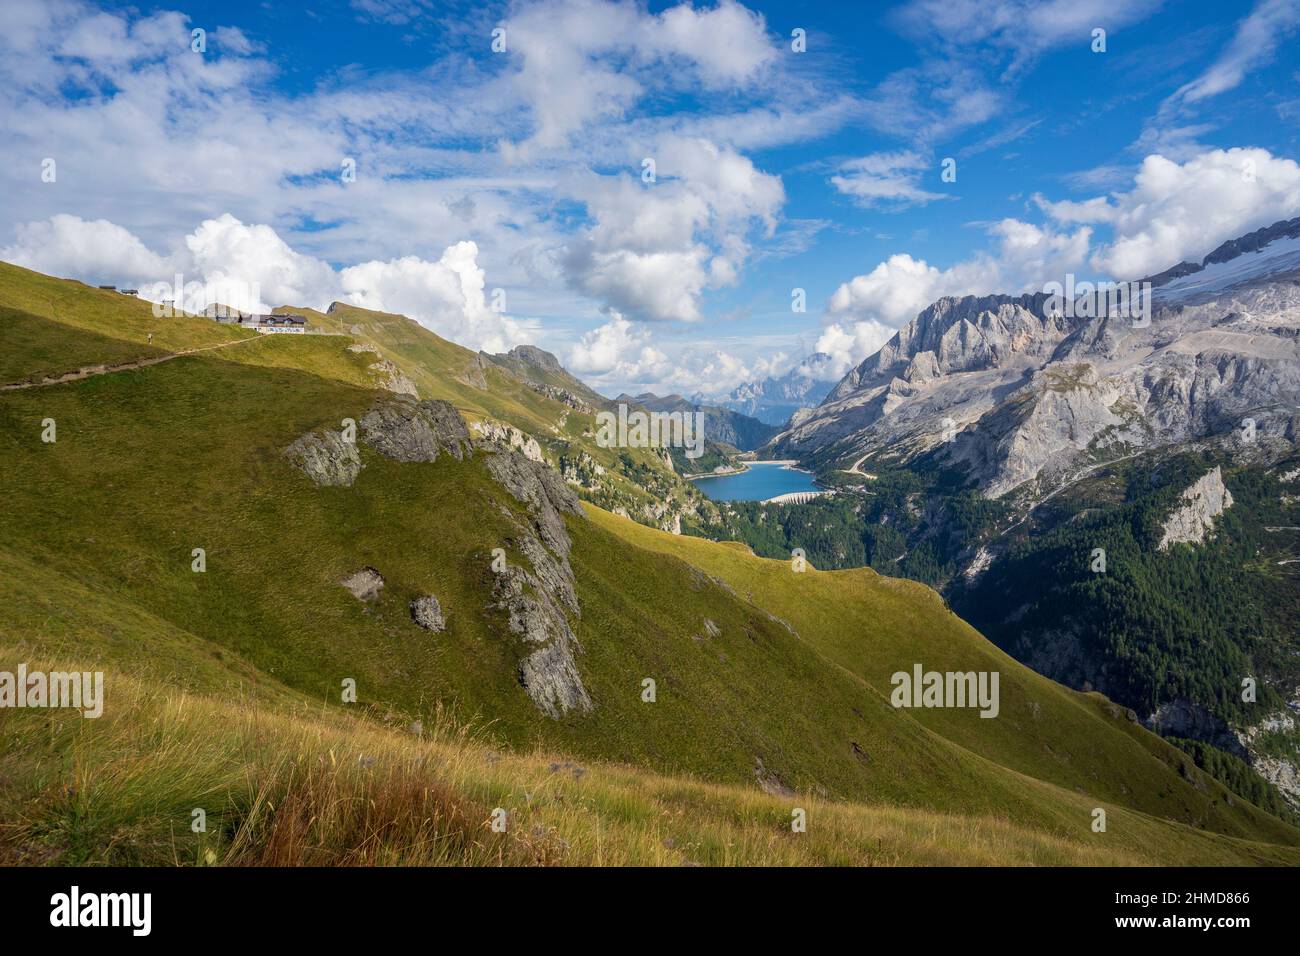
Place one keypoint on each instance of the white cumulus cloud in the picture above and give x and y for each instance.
(653, 248)
(1182, 211)
(96, 251)
(250, 267)
(885, 179)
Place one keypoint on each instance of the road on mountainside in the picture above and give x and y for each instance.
(854, 468)
(1066, 484)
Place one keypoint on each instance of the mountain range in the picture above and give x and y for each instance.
(1111, 497)
(364, 596)
(723, 425)
(774, 399)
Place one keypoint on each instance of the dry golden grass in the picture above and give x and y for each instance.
(311, 785)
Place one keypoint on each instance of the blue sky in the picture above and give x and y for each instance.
(520, 170)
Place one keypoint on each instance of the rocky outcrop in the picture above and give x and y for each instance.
(711, 630)
(769, 782)
(326, 458)
(497, 435)
(402, 429)
(1282, 772)
(539, 358)
(1204, 501)
(539, 600)
(473, 373)
(1182, 718)
(427, 612)
(979, 564)
(410, 431)
(394, 379)
(364, 584)
(546, 495)
(537, 593)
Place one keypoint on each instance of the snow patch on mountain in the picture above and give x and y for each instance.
(1280, 255)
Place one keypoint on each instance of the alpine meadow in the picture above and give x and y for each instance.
(576, 434)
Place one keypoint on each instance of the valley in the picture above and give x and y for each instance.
(1007, 451)
(525, 691)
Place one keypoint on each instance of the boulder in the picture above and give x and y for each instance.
(325, 458)
(364, 584)
(427, 612)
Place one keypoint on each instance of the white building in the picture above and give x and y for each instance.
(275, 324)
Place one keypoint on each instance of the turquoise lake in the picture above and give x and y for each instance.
(763, 480)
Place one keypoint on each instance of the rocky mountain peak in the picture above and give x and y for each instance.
(1011, 392)
(961, 333)
(535, 356)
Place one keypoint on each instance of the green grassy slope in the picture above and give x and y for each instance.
(874, 626)
(37, 349)
(111, 328)
(95, 550)
(489, 389)
(106, 313)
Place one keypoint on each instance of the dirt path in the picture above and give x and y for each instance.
(89, 371)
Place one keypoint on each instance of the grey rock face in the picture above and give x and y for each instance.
(1204, 501)
(1181, 718)
(407, 430)
(402, 429)
(427, 612)
(326, 458)
(535, 356)
(495, 435)
(1279, 771)
(1038, 397)
(536, 613)
(550, 675)
(538, 602)
(364, 584)
(473, 373)
(769, 782)
(394, 379)
(544, 492)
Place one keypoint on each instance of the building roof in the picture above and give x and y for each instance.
(276, 320)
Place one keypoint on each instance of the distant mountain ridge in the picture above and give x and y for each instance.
(1226, 252)
(774, 399)
(1029, 442)
(1004, 389)
(721, 424)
